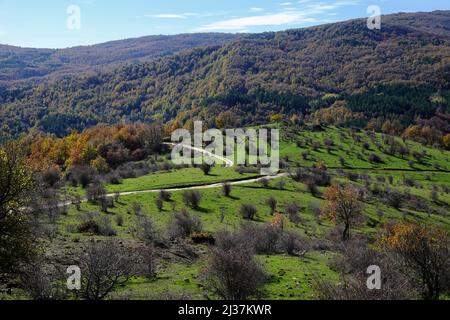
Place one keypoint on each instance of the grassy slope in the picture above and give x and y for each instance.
(290, 276)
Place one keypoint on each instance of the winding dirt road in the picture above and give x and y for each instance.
(228, 164)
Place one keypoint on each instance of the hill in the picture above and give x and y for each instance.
(33, 64)
(401, 72)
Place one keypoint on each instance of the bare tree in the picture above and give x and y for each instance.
(148, 261)
(105, 266)
(43, 282)
(183, 224)
(232, 272)
(144, 229)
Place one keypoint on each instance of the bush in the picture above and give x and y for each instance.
(81, 175)
(165, 196)
(264, 182)
(394, 198)
(106, 265)
(95, 193)
(206, 168)
(43, 282)
(311, 186)
(51, 177)
(114, 179)
(352, 263)
(374, 158)
(292, 211)
(422, 254)
(119, 221)
(183, 225)
(137, 208)
(159, 203)
(248, 211)
(192, 198)
(264, 239)
(292, 243)
(147, 261)
(272, 203)
(281, 184)
(319, 176)
(144, 229)
(226, 188)
(95, 224)
(234, 274)
(203, 238)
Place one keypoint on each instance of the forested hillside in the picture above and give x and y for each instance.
(400, 72)
(33, 64)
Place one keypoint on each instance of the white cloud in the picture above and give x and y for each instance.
(173, 15)
(239, 24)
(256, 9)
(290, 16)
(286, 4)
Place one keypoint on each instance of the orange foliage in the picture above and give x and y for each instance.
(424, 134)
(335, 115)
(405, 237)
(343, 207)
(85, 148)
(278, 221)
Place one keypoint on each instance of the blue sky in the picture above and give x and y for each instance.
(43, 23)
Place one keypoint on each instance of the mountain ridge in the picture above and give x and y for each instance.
(256, 76)
(29, 63)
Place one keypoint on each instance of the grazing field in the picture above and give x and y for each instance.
(364, 160)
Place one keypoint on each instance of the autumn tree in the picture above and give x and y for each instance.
(226, 120)
(423, 254)
(337, 114)
(343, 207)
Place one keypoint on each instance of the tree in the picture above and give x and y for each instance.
(423, 253)
(343, 207)
(159, 202)
(446, 141)
(272, 203)
(226, 188)
(105, 266)
(226, 120)
(192, 198)
(248, 211)
(183, 225)
(96, 193)
(144, 229)
(232, 272)
(16, 237)
(206, 168)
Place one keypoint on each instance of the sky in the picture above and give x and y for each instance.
(67, 23)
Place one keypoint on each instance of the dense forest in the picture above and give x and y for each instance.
(401, 72)
(34, 64)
